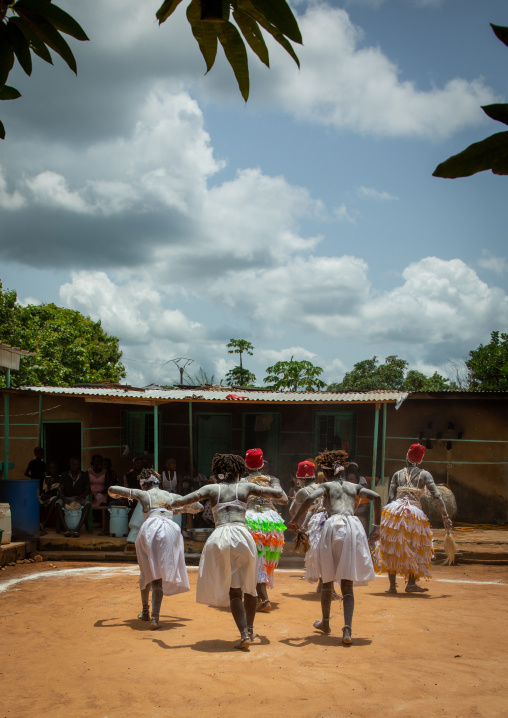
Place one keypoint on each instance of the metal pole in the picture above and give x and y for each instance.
(6, 423)
(156, 437)
(374, 460)
(40, 421)
(191, 443)
(383, 444)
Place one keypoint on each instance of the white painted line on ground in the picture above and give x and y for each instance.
(99, 572)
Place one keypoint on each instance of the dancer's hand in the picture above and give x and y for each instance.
(293, 527)
(375, 534)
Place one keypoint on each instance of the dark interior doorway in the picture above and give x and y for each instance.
(62, 441)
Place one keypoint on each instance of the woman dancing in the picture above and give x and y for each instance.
(228, 565)
(159, 544)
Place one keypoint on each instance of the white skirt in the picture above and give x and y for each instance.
(228, 560)
(344, 551)
(159, 548)
(314, 529)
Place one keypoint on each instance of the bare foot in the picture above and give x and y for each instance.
(245, 640)
(322, 626)
(154, 624)
(252, 634)
(346, 636)
(144, 615)
(414, 588)
(264, 607)
(391, 590)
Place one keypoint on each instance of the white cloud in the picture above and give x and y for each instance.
(12, 201)
(372, 193)
(347, 85)
(344, 214)
(488, 261)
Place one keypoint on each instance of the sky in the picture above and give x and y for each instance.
(149, 195)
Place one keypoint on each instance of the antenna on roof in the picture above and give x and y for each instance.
(181, 367)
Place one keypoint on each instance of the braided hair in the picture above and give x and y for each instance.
(149, 478)
(328, 460)
(226, 467)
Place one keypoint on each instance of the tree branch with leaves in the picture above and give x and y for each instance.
(294, 376)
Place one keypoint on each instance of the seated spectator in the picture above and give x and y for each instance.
(49, 494)
(111, 475)
(170, 480)
(130, 480)
(36, 468)
(97, 476)
(74, 488)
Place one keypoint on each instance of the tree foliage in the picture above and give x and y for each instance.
(211, 24)
(294, 376)
(37, 26)
(238, 376)
(68, 347)
(488, 365)
(240, 346)
(33, 26)
(370, 375)
(489, 154)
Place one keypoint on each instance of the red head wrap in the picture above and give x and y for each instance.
(416, 453)
(254, 458)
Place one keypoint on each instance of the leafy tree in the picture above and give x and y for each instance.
(294, 375)
(489, 364)
(36, 26)
(68, 347)
(210, 21)
(238, 376)
(489, 154)
(240, 346)
(369, 375)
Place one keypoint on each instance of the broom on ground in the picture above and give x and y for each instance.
(450, 548)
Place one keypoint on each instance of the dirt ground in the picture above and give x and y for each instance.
(71, 645)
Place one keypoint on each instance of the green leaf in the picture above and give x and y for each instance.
(34, 41)
(6, 54)
(204, 32)
(2, 131)
(235, 51)
(251, 32)
(249, 8)
(21, 47)
(57, 17)
(9, 93)
(278, 13)
(47, 33)
(167, 8)
(489, 154)
(501, 33)
(497, 112)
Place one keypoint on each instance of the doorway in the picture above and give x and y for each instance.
(61, 442)
(212, 436)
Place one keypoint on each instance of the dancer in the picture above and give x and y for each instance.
(344, 554)
(311, 523)
(228, 565)
(265, 525)
(159, 544)
(405, 545)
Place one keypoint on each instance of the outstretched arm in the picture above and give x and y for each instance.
(275, 483)
(376, 498)
(120, 492)
(267, 492)
(192, 498)
(306, 506)
(392, 491)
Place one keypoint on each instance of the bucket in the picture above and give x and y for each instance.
(119, 521)
(5, 523)
(22, 495)
(72, 518)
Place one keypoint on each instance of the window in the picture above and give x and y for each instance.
(336, 430)
(139, 435)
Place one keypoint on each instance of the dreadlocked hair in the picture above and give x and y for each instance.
(228, 466)
(149, 476)
(331, 458)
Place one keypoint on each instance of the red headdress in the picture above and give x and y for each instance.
(306, 470)
(416, 453)
(254, 458)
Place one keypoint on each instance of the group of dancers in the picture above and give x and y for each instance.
(238, 561)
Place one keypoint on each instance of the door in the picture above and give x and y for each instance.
(61, 442)
(262, 431)
(212, 436)
(336, 430)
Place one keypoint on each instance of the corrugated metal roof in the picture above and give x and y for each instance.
(202, 394)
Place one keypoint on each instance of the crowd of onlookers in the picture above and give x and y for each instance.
(88, 490)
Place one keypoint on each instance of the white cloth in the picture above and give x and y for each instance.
(159, 548)
(314, 529)
(228, 560)
(344, 551)
(135, 523)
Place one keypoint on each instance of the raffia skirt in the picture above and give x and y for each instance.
(228, 560)
(405, 546)
(344, 551)
(159, 548)
(267, 529)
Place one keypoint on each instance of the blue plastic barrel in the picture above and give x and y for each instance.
(22, 495)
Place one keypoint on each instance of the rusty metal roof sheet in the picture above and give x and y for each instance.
(222, 395)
